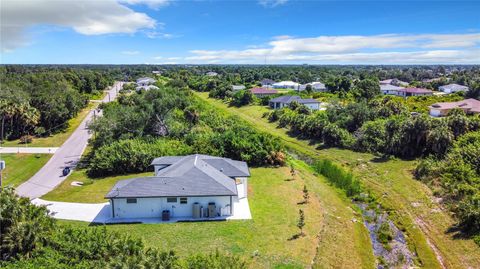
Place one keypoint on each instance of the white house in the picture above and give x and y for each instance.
(316, 86)
(211, 74)
(146, 88)
(451, 88)
(390, 89)
(183, 187)
(145, 81)
(267, 83)
(286, 85)
(283, 101)
(236, 88)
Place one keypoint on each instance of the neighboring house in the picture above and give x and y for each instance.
(145, 81)
(183, 187)
(236, 88)
(395, 82)
(146, 88)
(451, 88)
(470, 106)
(286, 85)
(316, 86)
(262, 92)
(267, 83)
(157, 72)
(283, 101)
(211, 74)
(406, 92)
(390, 89)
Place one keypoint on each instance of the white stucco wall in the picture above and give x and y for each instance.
(313, 106)
(153, 207)
(435, 113)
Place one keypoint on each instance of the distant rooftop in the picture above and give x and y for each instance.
(263, 91)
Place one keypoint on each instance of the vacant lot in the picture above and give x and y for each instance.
(263, 241)
(20, 167)
(410, 202)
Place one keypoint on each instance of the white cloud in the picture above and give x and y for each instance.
(84, 16)
(160, 35)
(388, 48)
(153, 4)
(130, 52)
(272, 3)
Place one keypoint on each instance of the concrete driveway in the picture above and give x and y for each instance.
(50, 175)
(101, 213)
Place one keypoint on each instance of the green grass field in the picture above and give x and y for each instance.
(20, 167)
(411, 203)
(93, 190)
(55, 140)
(273, 199)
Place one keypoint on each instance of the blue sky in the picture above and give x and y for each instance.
(275, 31)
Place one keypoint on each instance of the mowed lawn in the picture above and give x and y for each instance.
(265, 241)
(410, 202)
(55, 140)
(20, 167)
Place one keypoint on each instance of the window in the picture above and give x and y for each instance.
(171, 199)
(183, 200)
(131, 200)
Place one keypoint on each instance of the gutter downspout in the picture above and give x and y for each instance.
(113, 208)
(231, 206)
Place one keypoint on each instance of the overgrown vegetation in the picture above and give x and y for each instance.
(456, 178)
(32, 239)
(339, 177)
(170, 121)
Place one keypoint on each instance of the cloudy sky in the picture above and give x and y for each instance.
(239, 31)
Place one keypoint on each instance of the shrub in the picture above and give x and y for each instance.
(338, 177)
(26, 139)
(132, 155)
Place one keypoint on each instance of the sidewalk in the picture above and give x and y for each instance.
(29, 150)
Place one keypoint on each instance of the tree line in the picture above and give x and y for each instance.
(40, 101)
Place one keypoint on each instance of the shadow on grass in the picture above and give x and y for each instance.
(461, 233)
(296, 236)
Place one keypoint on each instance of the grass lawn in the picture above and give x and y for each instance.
(20, 167)
(273, 199)
(410, 202)
(55, 140)
(93, 190)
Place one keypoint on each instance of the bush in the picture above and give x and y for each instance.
(26, 139)
(31, 239)
(132, 155)
(339, 177)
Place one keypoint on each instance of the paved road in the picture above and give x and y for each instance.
(28, 150)
(50, 175)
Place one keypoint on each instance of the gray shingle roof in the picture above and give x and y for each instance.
(192, 175)
(287, 99)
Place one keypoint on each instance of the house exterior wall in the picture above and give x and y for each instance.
(313, 106)
(153, 207)
(242, 187)
(436, 112)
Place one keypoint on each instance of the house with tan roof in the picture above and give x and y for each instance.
(470, 106)
(262, 92)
